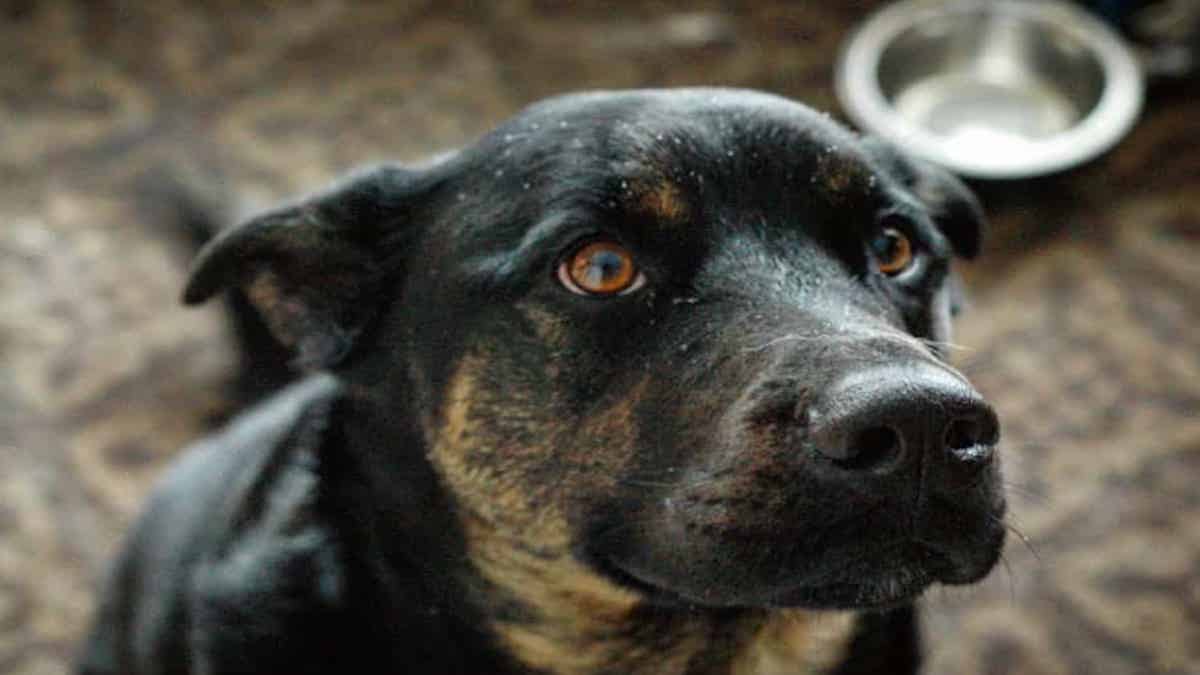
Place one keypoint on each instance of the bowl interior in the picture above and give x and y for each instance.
(990, 80)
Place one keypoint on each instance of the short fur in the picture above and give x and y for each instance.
(487, 473)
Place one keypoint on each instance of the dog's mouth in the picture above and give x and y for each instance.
(862, 575)
(893, 577)
(911, 569)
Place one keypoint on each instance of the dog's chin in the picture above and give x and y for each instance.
(877, 579)
(908, 571)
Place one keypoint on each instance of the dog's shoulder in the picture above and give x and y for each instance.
(231, 548)
(264, 591)
(255, 474)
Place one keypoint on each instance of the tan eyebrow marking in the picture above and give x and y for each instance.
(663, 199)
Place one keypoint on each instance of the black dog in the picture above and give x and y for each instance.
(641, 382)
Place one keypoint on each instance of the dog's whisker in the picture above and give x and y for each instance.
(1020, 536)
(649, 483)
(1012, 584)
(979, 362)
(946, 345)
(857, 336)
(784, 339)
(663, 480)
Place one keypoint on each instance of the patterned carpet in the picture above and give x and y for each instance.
(1085, 326)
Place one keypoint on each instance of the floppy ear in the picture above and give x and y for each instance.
(955, 209)
(313, 268)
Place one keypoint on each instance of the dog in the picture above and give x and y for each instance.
(640, 382)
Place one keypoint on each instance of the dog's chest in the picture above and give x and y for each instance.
(790, 642)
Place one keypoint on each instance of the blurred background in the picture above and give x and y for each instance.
(1084, 327)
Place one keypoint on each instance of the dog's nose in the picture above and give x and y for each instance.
(879, 419)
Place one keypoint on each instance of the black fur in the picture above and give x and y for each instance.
(320, 531)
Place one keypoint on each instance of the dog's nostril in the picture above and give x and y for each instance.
(873, 447)
(971, 441)
(962, 434)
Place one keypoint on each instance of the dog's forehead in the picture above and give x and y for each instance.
(667, 153)
(644, 117)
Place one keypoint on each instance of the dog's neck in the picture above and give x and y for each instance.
(555, 615)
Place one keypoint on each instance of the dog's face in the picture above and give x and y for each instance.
(687, 344)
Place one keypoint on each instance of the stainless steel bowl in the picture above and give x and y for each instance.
(991, 88)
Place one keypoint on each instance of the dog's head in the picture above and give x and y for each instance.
(689, 341)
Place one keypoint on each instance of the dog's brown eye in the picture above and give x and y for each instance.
(600, 268)
(893, 251)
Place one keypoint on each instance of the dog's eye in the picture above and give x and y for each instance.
(893, 251)
(600, 267)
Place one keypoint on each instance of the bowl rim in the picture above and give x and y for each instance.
(857, 87)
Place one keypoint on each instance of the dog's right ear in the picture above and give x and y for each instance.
(314, 268)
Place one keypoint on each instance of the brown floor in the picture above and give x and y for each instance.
(1085, 328)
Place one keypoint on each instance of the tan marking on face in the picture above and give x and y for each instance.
(517, 530)
(550, 327)
(470, 462)
(839, 173)
(663, 199)
(518, 461)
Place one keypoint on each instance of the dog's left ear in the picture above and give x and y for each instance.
(314, 268)
(955, 209)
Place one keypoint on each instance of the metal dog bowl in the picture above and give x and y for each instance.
(991, 88)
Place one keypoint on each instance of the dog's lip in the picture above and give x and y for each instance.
(920, 567)
(899, 588)
(916, 567)
(634, 581)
